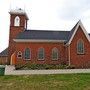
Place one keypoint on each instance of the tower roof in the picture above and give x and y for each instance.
(19, 11)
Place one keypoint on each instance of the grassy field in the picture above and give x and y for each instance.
(46, 82)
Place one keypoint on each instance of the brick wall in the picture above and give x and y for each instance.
(80, 61)
(14, 31)
(48, 51)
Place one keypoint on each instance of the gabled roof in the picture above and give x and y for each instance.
(37, 35)
(43, 35)
(4, 52)
(74, 30)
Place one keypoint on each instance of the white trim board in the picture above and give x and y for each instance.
(35, 40)
(83, 29)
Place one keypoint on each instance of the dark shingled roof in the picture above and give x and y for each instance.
(71, 32)
(43, 34)
(47, 35)
(4, 52)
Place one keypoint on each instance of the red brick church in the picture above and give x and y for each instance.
(45, 47)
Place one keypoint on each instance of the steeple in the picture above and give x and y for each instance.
(18, 16)
(18, 23)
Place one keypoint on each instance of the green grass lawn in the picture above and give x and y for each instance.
(46, 82)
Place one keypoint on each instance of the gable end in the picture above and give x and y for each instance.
(83, 29)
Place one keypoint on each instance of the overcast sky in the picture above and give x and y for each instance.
(45, 14)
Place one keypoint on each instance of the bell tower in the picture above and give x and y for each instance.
(18, 23)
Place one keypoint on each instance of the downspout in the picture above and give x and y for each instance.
(69, 63)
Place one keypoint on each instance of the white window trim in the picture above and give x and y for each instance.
(19, 54)
(57, 53)
(43, 53)
(25, 24)
(83, 47)
(30, 54)
(17, 24)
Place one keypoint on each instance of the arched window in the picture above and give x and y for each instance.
(27, 54)
(19, 54)
(54, 54)
(17, 21)
(41, 54)
(80, 47)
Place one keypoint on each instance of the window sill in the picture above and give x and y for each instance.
(27, 59)
(54, 59)
(40, 59)
(19, 57)
(80, 53)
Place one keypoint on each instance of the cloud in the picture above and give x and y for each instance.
(45, 14)
(72, 9)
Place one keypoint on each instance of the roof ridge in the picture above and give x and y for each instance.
(47, 30)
